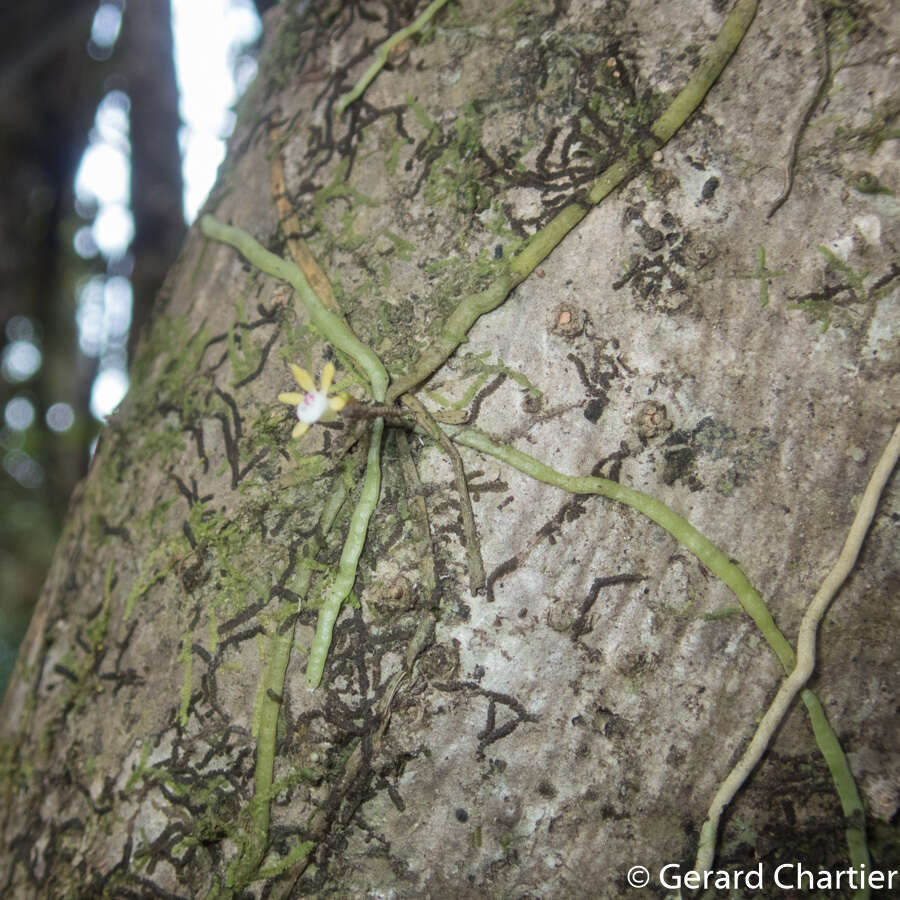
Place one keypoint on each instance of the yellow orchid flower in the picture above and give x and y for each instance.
(314, 402)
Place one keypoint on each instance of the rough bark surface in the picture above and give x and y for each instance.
(575, 717)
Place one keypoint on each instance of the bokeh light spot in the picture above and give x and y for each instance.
(19, 413)
(110, 386)
(20, 360)
(60, 417)
(20, 328)
(24, 469)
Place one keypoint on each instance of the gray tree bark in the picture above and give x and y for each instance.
(572, 719)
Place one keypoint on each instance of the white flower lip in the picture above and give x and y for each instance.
(312, 407)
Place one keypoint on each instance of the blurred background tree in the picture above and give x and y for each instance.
(93, 209)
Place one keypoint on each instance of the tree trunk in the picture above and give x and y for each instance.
(541, 735)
